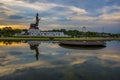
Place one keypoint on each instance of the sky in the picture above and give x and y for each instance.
(95, 15)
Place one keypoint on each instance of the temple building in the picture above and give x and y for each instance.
(35, 31)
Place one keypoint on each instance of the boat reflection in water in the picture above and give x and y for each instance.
(82, 47)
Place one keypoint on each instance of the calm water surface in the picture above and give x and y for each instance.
(46, 60)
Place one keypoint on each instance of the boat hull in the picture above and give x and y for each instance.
(83, 43)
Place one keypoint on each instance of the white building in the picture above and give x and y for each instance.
(37, 32)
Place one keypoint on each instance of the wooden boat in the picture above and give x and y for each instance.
(83, 43)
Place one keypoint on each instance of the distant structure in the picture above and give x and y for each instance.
(83, 29)
(35, 31)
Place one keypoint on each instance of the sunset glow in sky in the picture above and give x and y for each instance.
(57, 14)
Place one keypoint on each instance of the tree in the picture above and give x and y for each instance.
(8, 31)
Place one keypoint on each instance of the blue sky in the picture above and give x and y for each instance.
(57, 14)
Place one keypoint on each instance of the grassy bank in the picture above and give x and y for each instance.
(56, 38)
(93, 38)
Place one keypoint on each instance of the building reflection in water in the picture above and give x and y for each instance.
(34, 46)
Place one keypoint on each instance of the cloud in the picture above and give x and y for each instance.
(15, 17)
(111, 17)
(41, 7)
(5, 10)
(112, 2)
(77, 10)
(36, 5)
(109, 9)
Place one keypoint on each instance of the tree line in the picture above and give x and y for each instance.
(9, 32)
(77, 33)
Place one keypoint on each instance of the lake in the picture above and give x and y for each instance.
(47, 60)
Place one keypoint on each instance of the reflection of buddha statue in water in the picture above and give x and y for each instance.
(34, 46)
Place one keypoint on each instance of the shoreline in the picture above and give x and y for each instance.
(59, 39)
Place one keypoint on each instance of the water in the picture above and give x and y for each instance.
(46, 60)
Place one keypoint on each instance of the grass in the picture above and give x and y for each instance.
(89, 38)
(13, 38)
(56, 38)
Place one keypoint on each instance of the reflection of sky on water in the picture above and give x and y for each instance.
(63, 62)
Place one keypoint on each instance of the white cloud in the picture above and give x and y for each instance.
(37, 5)
(78, 10)
(83, 18)
(109, 15)
(112, 16)
(7, 11)
(107, 9)
(40, 6)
